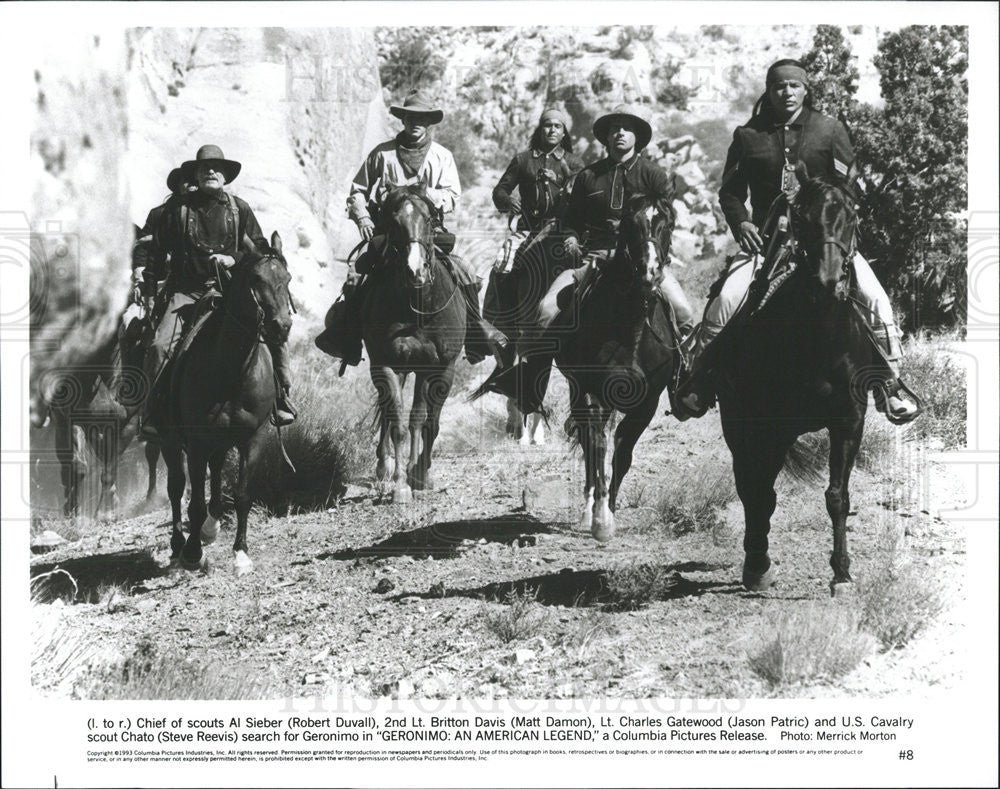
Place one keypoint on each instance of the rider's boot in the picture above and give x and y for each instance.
(482, 338)
(342, 336)
(284, 411)
(696, 393)
(895, 400)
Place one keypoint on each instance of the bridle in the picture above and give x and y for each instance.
(847, 248)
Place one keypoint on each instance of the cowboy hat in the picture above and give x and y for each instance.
(175, 179)
(211, 153)
(417, 102)
(635, 112)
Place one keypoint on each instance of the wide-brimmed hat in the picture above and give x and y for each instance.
(211, 153)
(174, 179)
(417, 102)
(635, 112)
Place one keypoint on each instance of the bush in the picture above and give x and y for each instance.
(408, 60)
(932, 371)
(329, 443)
(147, 674)
(820, 643)
(632, 588)
(522, 617)
(693, 501)
(898, 602)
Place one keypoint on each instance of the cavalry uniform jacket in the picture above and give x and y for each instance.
(760, 149)
(196, 225)
(603, 190)
(538, 201)
(382, 170)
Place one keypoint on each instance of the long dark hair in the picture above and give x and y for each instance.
(538, 144)
(763, 105)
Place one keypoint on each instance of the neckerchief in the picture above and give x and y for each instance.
(411, 155)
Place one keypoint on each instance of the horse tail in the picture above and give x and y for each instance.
(806, 459)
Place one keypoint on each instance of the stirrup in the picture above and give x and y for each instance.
(884, 391)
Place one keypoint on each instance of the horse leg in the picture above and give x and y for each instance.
(174, 459)
(579, 415)
(626, 435)
(70, 468)
(152, 451)
(192, 557)
(756, 462)
(389, 386)
(438, 389)
(108, 452)
(418, 416)
(844, 444)
(604, 521)
(210, 528)
(515, 425)
(536, 427)
(242, 562)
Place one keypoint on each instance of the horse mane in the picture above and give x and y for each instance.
(399, 194)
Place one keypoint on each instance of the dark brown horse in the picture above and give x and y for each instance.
(414, 322)
(801, 363)
(223, 392)
(537, 262)
(94, 403)
(621, 355)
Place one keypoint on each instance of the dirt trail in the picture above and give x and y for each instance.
(373, 598)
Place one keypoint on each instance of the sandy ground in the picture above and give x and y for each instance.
(372, 598)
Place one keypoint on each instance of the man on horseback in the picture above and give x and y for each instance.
(412, 157)
(600, 194)
(203, 234)
(784, 132)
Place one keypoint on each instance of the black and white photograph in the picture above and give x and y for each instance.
(382, 378)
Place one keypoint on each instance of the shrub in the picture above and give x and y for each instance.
(521, 617)
(632, 588)
(820, 643)
(693, 501)
(328, 444)
(898, 602)
(408, 60)
(148, 674)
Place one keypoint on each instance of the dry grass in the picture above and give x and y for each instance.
(634, 587)
(146, 674)
(330, 443)
(522, 617)
(899, 601)
(816, 644)
(694, 500)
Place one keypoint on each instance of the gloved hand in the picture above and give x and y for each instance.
(138, 284)
(572, 247)
(226, 261)
(366, 227)
(515, 204)
(547, 174)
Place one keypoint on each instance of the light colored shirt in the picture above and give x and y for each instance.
(382, 170)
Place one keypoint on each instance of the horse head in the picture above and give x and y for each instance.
(262, 280)
(409, 216)
(642, 240)
(824, 217)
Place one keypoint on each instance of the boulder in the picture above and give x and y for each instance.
(688, 177)
(686, 245)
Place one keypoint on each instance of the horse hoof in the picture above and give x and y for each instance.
(842, 590)
(759, 582)
(209, 530)
(603, 531)
(402, 495)
(242, 563)
(195, 567)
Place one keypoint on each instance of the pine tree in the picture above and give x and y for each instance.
(833, 75)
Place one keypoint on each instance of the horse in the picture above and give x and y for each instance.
(801, 363)
(94, 403)
(222, 392)
(536, 265)
(413, 321)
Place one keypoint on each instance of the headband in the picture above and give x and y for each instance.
(787, 71)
